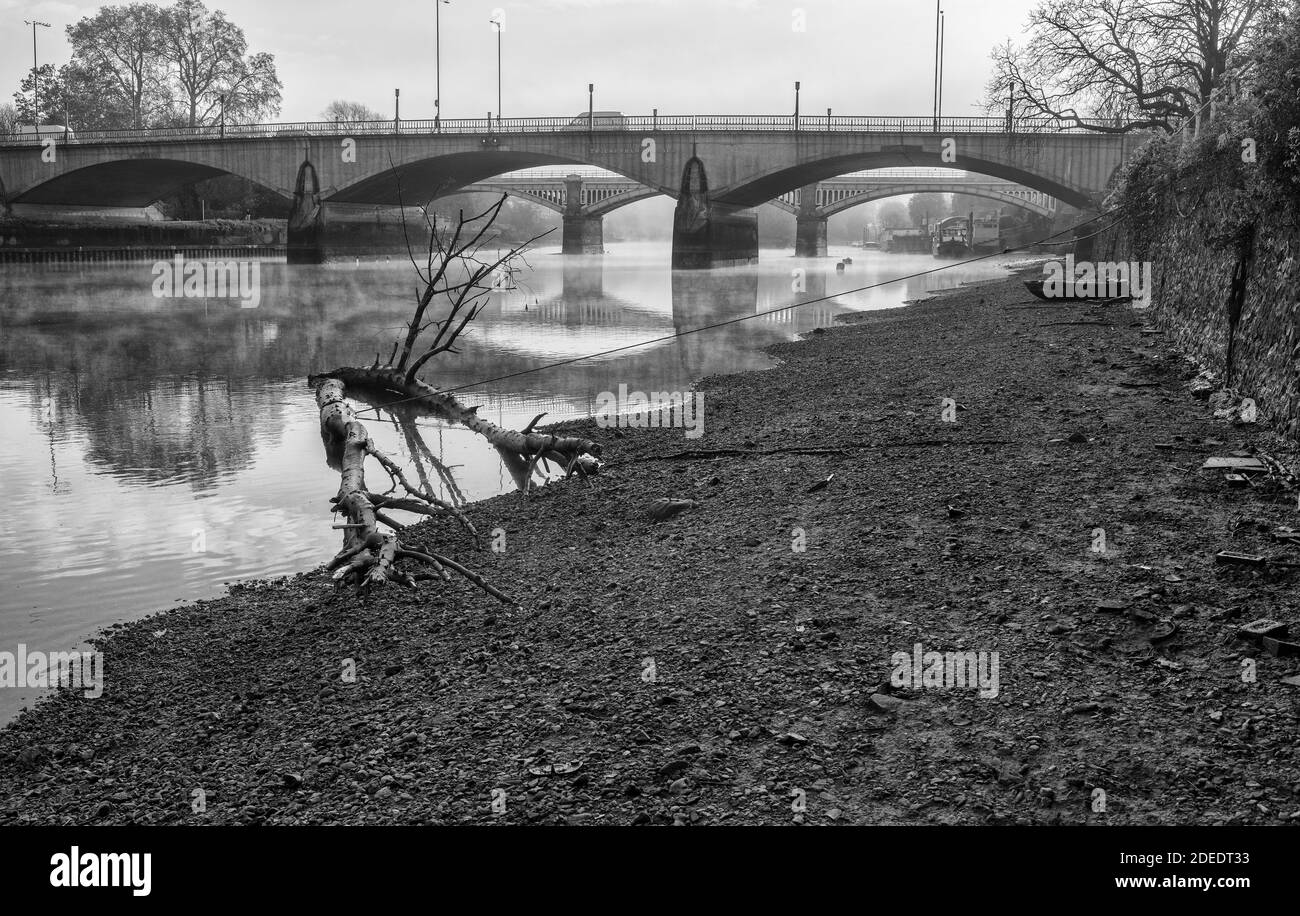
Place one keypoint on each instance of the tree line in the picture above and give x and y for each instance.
(141, 65)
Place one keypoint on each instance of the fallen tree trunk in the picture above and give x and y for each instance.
(369, 556)
(572, 453)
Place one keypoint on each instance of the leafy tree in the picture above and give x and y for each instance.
(51, 93)
(207, 59)
(934, 206)
(119, 46)
(1273, 105)
(893, 215)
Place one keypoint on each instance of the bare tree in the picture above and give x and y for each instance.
(350, 112)
(1121, 65)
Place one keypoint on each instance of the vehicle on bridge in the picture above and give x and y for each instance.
(599, 120)
(31, 135)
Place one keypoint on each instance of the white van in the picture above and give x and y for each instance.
(31, 135)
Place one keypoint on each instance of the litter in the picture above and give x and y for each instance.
(1250, 465)
(1239, 559)
(556, 769)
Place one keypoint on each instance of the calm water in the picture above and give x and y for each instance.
(155, 449)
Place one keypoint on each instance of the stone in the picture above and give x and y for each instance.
(1264, 626)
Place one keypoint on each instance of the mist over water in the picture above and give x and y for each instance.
(139, 429)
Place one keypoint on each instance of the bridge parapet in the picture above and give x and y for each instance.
(606, 124)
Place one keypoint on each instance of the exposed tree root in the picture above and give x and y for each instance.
(369, 556)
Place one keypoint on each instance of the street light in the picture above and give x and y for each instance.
(437, 62)
(939, 103)
(934, 95)
(223, 116)
(497, 24)
(796, 104)
(36, 79)
(591, 122)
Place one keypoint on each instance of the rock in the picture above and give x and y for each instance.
(885, 702)
(292, 780)
(663, 509)
(1077, 437)
(1279, 648)
(1258, 629)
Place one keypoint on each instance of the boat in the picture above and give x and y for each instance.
(1036, 287)
(950, 238)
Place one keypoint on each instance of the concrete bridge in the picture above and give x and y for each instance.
(718, 167)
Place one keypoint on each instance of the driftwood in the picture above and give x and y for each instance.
(369, 556)
(571, 453)
(453, 273)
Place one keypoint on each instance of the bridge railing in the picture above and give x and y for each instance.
(604, 124)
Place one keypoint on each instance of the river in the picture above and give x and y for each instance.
(155, 450)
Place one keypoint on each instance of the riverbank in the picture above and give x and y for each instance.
(702, 670)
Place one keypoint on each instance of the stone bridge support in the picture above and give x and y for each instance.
(582, 232)
(709, 234)
(306, 238)
(810, 226)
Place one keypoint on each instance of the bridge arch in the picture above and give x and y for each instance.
(136, 182)
(429, 177)
(770, 185)
(903, 189)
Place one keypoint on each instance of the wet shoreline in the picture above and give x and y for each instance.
(703, 669)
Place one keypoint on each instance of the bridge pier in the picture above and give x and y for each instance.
(708, 234)
(306, 243)
(809, 225)
(810, 236)
(583, 234)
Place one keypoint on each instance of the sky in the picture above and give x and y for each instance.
(859, 57)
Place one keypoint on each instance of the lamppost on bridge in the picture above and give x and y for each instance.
(796, 104)
(36, 77)
(437, 63)
(934, 96)
(939, 101)
(497, 24)
(223, 116)
(591, 104)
